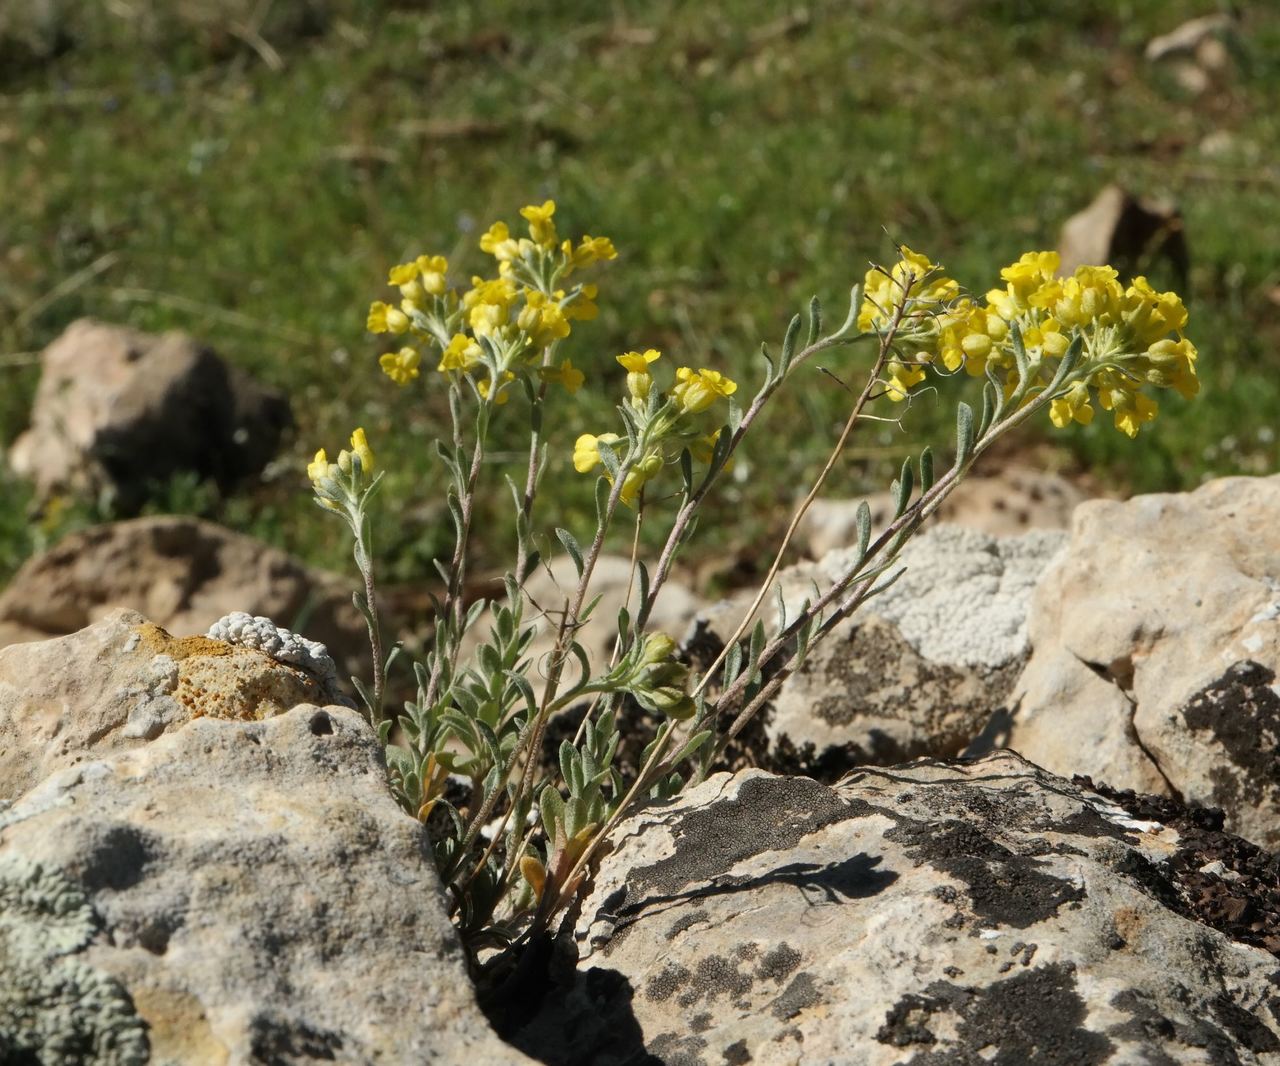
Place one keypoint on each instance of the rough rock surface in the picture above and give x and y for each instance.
(930, 914)
(1156, 643)
(923, 668)
(120, 683)
(117, 409)
(234, 892)
(1012, 500)
(183, 574)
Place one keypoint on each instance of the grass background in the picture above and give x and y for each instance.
(246, 170)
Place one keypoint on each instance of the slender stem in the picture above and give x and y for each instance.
(374, 624)
(873, 377)
(694, 501)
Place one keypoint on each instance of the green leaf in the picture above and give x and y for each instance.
(732, 664)
(571, 546)
(757, 644)
(904, 486)
(609, 459)
(815, 320)
(551, 810)
(591, 605)
(926, 470)
(964, 434)
(693, 744)
(603, 489)
(772, 371)
(789, 344)
(863, 521)
(570, 769)
(686, 470)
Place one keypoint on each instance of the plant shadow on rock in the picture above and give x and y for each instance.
(545, 1006)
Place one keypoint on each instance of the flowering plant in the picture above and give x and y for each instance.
(514, 837)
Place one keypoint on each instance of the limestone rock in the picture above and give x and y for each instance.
(1156, 644)
(237, 892)
(1009, 501)
(922, 668)
(183, 574)
(932, 913)
(1124, 231)
(120, 683)
(117, 410)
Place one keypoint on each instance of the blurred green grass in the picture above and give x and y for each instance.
(247, 170)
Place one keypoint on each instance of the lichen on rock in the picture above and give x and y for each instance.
(55, 1008)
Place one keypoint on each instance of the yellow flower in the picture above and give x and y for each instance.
(386, 319)
(461, 353)
(360, 446)
(402, 366)
(318, 468)
(1173, 366)
(503, 393)
(586, 450)
(489, 304)
(571, 377)
(696, 390)
(541, 228)
(582, 307)
(913, 277)
(433, 269)
(636, 364)
(590, 250)
(542, 319)
(1072, 406)
(402, 274)
(901, 380)
(498, 243)
(1130, 416)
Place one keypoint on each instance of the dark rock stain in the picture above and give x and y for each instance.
(1032, 1019)
(1005, 888)
(1242, 712)
(801, 994)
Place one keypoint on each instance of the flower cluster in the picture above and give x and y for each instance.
(662, 425)
(326, 477)
(1131, 336)
(502, 328)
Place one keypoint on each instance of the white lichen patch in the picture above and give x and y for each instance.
(283, 645)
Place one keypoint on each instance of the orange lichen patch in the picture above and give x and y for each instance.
(162, 642)
(221, 680)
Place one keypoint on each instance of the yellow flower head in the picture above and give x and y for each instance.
(636, 364)
(402, 274)
(590, 250)
(542, 319)
(1072, 406)
(433, 269)
(384, 318)
(902, 379)
(571, 377)
(402, 366)
(586, 450)
(489, 303)
(541, 228)
(461, 353)
(360, 446)
(696, 390)
(582, 307)
(912, 278)
(318, 468)
(498, 243)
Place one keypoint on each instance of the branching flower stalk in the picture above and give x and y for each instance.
(517, 851)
